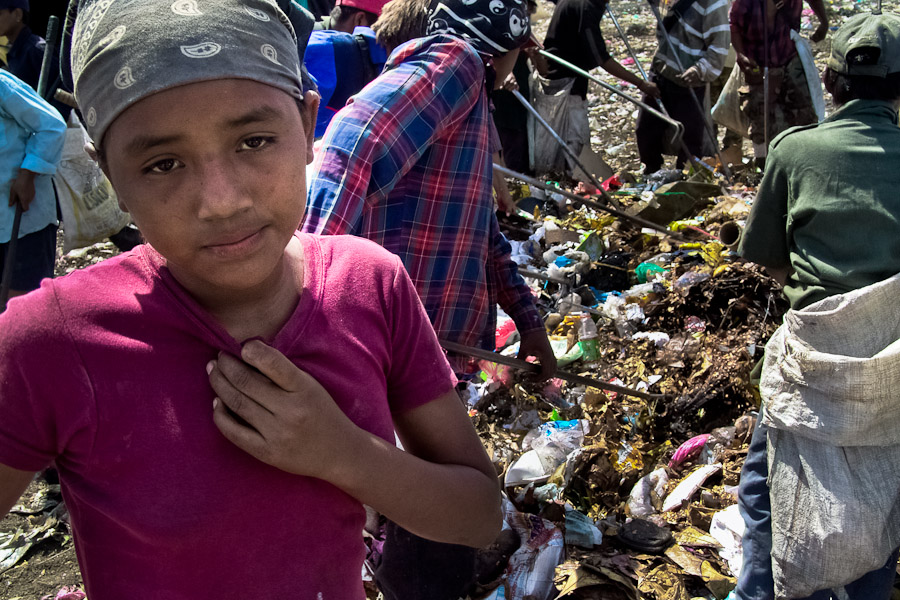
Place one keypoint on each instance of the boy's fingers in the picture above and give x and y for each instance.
(241, 404)
(245, 438)
(273, 364)
(244, 377)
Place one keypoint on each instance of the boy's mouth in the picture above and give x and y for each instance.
(236, 243)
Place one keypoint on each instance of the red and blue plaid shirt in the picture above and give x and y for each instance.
(407, 164)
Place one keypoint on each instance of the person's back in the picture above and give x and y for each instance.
(408, 165)
(826, 220)
(838, 180)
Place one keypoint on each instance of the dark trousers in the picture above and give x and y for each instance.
(413, 568)
(653, 134)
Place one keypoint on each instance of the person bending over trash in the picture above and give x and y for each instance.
(574, 35)
(826, 222)
(221, 401)
(408, 164)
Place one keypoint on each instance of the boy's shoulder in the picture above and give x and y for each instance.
(101, 287)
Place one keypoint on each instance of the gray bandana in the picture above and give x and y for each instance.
(121, 51)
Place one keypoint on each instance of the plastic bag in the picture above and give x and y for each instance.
(566, 114)
(727, 111)
(90, 210)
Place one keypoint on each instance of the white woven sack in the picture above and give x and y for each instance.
(829, 385)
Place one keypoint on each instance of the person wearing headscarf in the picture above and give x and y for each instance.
(221, 401)
(408, 164)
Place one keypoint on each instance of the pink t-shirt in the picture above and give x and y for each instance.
(103, 372)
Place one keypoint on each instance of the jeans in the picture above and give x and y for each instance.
(756, 580)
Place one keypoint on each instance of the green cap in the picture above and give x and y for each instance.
(869, 30)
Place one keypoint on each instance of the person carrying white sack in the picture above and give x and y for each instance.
(819, 489)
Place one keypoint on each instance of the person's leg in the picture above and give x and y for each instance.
(681, 106)
(752, 105)
(756, 581)
(413, 568)
(795, 99)
(650, 131)
(35, 260)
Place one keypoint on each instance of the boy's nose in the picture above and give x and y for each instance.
(221, 191)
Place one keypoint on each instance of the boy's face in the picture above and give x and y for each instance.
(213, 173)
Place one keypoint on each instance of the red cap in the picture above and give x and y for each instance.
(372, 6)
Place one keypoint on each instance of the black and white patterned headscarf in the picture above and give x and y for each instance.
(493, 27)
(120, 51)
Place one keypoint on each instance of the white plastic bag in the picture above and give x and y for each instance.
(90, 210)
(566, 114)
(727, 111)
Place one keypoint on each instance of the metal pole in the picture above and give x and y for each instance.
(528, 367)
(601, 207)
(9, 263)
(766, 106)
(624, 37)
(561, 142)
(706, 124)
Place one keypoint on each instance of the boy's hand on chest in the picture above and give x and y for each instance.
(280, 414)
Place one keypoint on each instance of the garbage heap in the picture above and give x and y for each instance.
(611, 495)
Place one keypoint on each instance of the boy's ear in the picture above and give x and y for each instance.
(308, 111)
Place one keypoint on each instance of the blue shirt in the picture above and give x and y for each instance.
(33, 134)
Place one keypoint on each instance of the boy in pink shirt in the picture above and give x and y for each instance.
(221, 401)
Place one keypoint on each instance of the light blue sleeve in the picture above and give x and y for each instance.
(43, 148)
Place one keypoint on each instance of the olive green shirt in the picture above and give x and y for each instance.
(829, 204)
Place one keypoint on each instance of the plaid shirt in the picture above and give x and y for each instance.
(407, 164)
(747, 21)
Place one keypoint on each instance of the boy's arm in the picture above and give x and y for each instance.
(12, 484)
(374, 141)
(737, 18)
(43, 149)
(615, 69)
(443, 489)
(765, 239)
(516, 299)
(717, 37)
(818, 7)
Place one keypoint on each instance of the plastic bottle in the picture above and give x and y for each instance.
(587, 339)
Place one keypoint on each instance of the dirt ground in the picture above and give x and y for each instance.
(51, 564)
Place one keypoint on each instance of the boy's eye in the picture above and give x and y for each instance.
(256, 142)
(165, 165)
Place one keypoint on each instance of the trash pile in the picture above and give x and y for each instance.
(629, 495)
